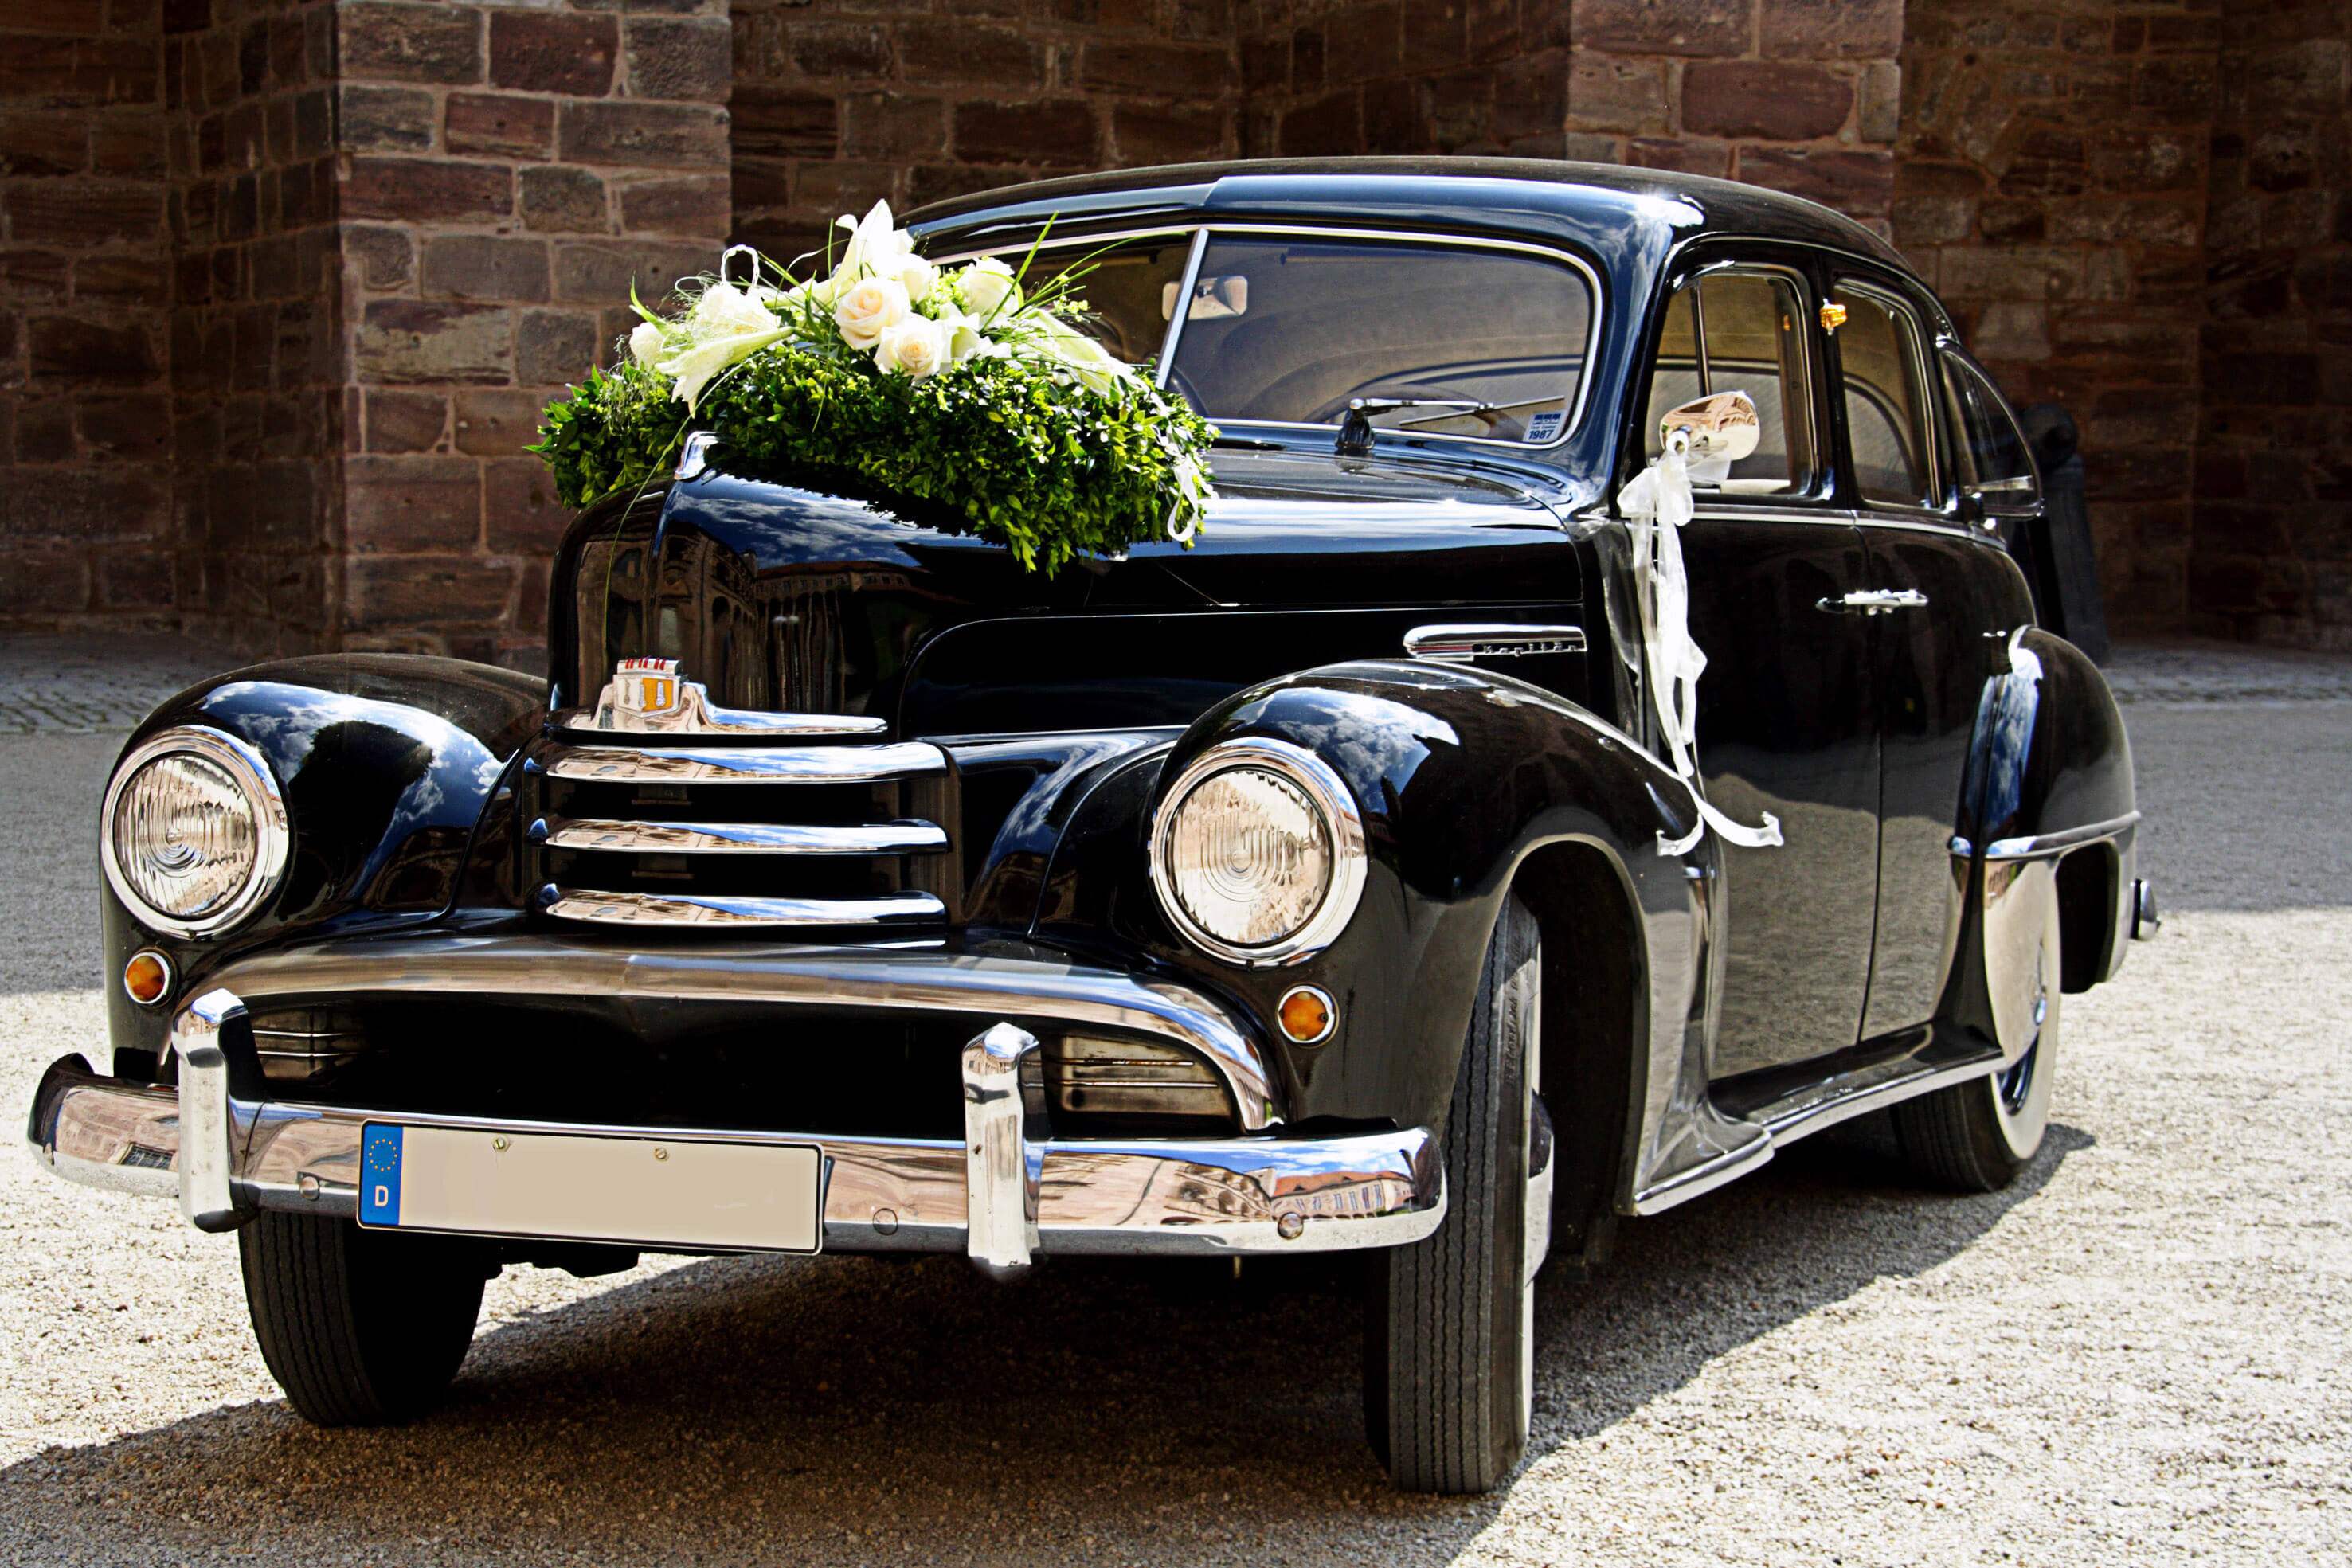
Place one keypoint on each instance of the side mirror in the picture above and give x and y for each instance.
(1721, 430)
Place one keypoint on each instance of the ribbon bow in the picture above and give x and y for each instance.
(1656, 504)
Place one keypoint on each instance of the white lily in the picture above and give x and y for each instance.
(727, 326)
(876, 246)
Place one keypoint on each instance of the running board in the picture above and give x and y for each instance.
(1746, 1135)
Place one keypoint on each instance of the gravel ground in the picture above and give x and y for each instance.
(2135, 1355)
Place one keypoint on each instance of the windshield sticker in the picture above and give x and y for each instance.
(1545, 426)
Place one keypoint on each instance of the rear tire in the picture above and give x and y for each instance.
(1449, 1321)
(360, 1328)
(1976, 1136)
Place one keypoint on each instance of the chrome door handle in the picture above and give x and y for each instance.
(1874, 601)
(1459, 642)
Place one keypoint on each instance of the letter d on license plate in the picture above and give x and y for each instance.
(654, 1191)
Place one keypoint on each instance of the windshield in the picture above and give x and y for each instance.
(1461, 341)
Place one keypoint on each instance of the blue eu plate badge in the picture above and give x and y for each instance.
(379, 1175)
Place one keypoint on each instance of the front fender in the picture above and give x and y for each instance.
(1460, 775)
(385, 761)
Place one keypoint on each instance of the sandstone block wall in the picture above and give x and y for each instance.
(284, 284)
(85, 290)
(842, 103)
(1799, 94)
(510, 174)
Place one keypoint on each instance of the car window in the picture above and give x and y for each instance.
(1126, 286)
(1886, 409)
(1741, 332)
(1991, 456)
(1474, 342)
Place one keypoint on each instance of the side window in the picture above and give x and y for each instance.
(1992, 458)
(1886, 416)
(1741, 331)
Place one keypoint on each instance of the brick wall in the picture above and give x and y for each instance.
(85, 412)
(842, 101)
(1800, 95)
(511, 173)
(255, 347)
(2052, 184)
(2269, 552)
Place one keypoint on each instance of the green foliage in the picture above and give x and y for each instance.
(1025, 454)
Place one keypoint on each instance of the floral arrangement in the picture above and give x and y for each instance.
(897, 380)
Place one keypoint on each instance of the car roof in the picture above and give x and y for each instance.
(1555, 199)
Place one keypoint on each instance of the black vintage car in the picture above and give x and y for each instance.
(1346, 880)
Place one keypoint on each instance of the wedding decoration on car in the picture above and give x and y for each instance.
(1656, 504)
(895, 379)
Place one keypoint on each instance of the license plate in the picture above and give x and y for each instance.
(655, 1191)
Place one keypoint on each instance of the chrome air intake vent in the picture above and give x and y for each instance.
(656, 808)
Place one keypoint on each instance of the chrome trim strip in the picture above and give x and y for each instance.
(739, 764)
(207, 1157)
(1460, 643)
(1700, 1179)
(1031, 983)
(906, 837)
(1788, 1123)
(1176, 318)
(1162, 1197)
(1341, 819)
(2052, 843)
(1000, 1188)
(272, 830)
(736, 910)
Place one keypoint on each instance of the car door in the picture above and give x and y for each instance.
(1945, 598)
(1787, 718)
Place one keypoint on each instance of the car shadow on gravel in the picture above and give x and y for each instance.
(853, 1409)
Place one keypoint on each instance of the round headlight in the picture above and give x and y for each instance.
(1257, 852)
(194, 832)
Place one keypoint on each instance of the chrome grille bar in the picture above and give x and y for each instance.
(744, 764)
(908, 837)
(736, 911)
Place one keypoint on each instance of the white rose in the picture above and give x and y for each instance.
(918, 275)
(646, 342)
(869, 308)
(986, 285)
(915, 347)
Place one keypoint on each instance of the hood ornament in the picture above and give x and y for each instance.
(653, 697)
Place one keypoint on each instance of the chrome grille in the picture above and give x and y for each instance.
(629, 829)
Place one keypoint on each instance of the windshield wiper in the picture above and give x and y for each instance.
(1356, 429)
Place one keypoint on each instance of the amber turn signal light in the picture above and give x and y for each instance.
(1309, 1014)
(147, 979)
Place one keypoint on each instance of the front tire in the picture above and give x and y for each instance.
(1449, 1338)
(1978, 1136)
(360, 1328)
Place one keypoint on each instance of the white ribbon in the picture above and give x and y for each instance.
(1656, 504)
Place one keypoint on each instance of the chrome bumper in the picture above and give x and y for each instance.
(994, 1195)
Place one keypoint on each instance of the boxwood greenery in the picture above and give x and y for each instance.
(1023, 456)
